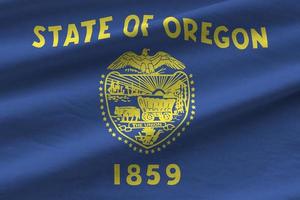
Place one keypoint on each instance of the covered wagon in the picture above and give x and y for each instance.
(153, 108)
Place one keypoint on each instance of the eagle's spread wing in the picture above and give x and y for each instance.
(163, 58)
(128, 58)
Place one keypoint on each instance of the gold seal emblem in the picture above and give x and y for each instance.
(147, 101)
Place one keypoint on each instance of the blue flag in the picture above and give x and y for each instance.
(149, 100)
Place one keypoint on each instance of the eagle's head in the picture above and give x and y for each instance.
(145, 52)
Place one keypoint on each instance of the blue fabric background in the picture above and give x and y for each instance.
(244, 143)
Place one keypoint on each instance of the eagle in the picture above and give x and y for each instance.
(145, 63)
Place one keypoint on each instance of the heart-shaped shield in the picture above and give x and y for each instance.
(145, 103)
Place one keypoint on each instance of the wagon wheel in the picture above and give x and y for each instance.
(148, 117)
(166, 117)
